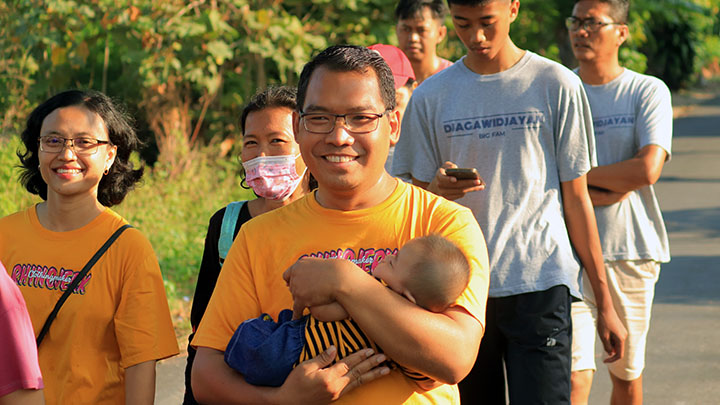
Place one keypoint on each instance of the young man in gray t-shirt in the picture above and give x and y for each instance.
(632, 117)
(524, 123)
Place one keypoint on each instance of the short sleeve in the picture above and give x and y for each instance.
(574, 140)
(416, 153)
(654, 117)
(20, 369)
(462, 229)
(142, 321)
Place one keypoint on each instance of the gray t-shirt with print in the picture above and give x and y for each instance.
(629, 113)
(526, 130)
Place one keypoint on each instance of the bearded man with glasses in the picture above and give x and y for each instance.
(632, 116)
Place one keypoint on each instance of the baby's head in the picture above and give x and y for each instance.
(430, 271)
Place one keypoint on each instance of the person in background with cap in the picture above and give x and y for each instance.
(420, 28)
(405, 83)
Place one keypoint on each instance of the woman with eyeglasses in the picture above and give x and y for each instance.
(274, 169)
(104, 341)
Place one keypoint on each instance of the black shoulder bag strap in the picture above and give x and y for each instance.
(74, 283)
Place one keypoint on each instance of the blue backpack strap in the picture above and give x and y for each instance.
(227, 230)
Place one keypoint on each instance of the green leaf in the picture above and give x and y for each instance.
(220, 51)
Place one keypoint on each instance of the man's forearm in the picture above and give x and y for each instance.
(213, 381)
(582, 229)
(601, 197)
(620, 177)
(642, 170)
(442, 346)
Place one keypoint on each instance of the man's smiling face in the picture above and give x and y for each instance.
(341, 161)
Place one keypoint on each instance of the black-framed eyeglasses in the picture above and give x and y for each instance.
(80, 146)
(588, 24)
(356, 123)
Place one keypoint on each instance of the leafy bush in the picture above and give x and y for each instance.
(13, 196)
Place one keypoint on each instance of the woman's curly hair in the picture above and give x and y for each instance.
(121, 177)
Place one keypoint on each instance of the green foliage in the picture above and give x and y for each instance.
(675, 33)
(13, 196)
(187, 67)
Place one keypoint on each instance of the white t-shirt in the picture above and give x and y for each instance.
(629, 113)
(526, 130)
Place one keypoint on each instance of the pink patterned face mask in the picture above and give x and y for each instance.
(272, 177)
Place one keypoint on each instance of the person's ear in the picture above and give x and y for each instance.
(514, 9)
(296, 124)
(394, 120)
(623, 34)
(407, 294)
(110, 159)
(442, 31)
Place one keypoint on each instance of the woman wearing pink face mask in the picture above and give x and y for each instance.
(276, 173)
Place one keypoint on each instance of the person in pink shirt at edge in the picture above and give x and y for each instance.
(405, 83)
(420, 28)
(20, 378)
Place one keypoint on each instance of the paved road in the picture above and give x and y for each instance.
(683, 359)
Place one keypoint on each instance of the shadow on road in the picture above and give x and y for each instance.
(703, 221)
(690, 280)
(695, 126)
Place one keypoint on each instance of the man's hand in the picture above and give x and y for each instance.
(612, 335)
(314, 281)
(448, 186)
(582, 229)
(316, 382)
(602, 197)
(311, 382)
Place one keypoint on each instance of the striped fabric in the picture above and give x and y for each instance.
(347, 337)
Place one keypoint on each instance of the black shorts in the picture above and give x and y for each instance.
(532, 333)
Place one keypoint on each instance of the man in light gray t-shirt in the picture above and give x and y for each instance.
(524, 123)
(632, 117)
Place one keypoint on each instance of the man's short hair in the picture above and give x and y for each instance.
(470, 2)
(350, 58)
(410, 8)
(619, 9)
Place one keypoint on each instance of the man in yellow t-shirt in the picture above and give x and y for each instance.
(358, 215)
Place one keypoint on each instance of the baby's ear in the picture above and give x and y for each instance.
(409, 296)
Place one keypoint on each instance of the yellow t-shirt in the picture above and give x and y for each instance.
(251, 282)
(118, 316)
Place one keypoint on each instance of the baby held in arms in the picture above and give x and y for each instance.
(430, 271)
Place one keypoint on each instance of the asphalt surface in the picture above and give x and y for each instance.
(683, 357)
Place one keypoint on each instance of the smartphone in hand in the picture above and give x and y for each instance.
(463, 173)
